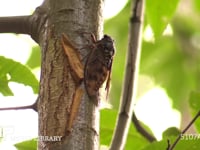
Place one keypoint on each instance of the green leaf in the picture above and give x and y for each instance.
(35, 58)
(172, 131)
(107, 121)
(187, 142)
(159, 13)
(27, 145)
(197, 5)
(161, 145)
(4, 88)
(194, 101)
(17, 73)
(183, 144)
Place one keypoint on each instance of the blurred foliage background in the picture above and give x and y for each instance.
(170, 55)
(170, 59)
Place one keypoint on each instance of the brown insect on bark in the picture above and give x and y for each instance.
(98, 66)
(97, 69)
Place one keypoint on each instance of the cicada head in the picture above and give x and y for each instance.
(106, 44)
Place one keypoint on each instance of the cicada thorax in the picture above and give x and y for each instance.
(98, 66)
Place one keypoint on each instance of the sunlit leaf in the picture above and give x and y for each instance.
(27, 145)
(35, 57)
(16, 72)
(159, 13)
(4, 88)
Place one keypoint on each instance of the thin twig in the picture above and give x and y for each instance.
(130, 83)
(32, 106)
(180, 135)
(141, 130)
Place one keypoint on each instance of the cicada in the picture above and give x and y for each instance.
(98, 66)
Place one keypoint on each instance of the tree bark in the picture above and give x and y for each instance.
(57, 86)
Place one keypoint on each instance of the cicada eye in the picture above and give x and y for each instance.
(108, 45)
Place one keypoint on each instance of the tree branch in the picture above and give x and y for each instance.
(17, 24)
(129, 90)
(31, 24)
(141, 130)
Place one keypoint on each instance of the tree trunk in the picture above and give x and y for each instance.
(57, 87)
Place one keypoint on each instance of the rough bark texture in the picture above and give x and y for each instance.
(72, 17)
